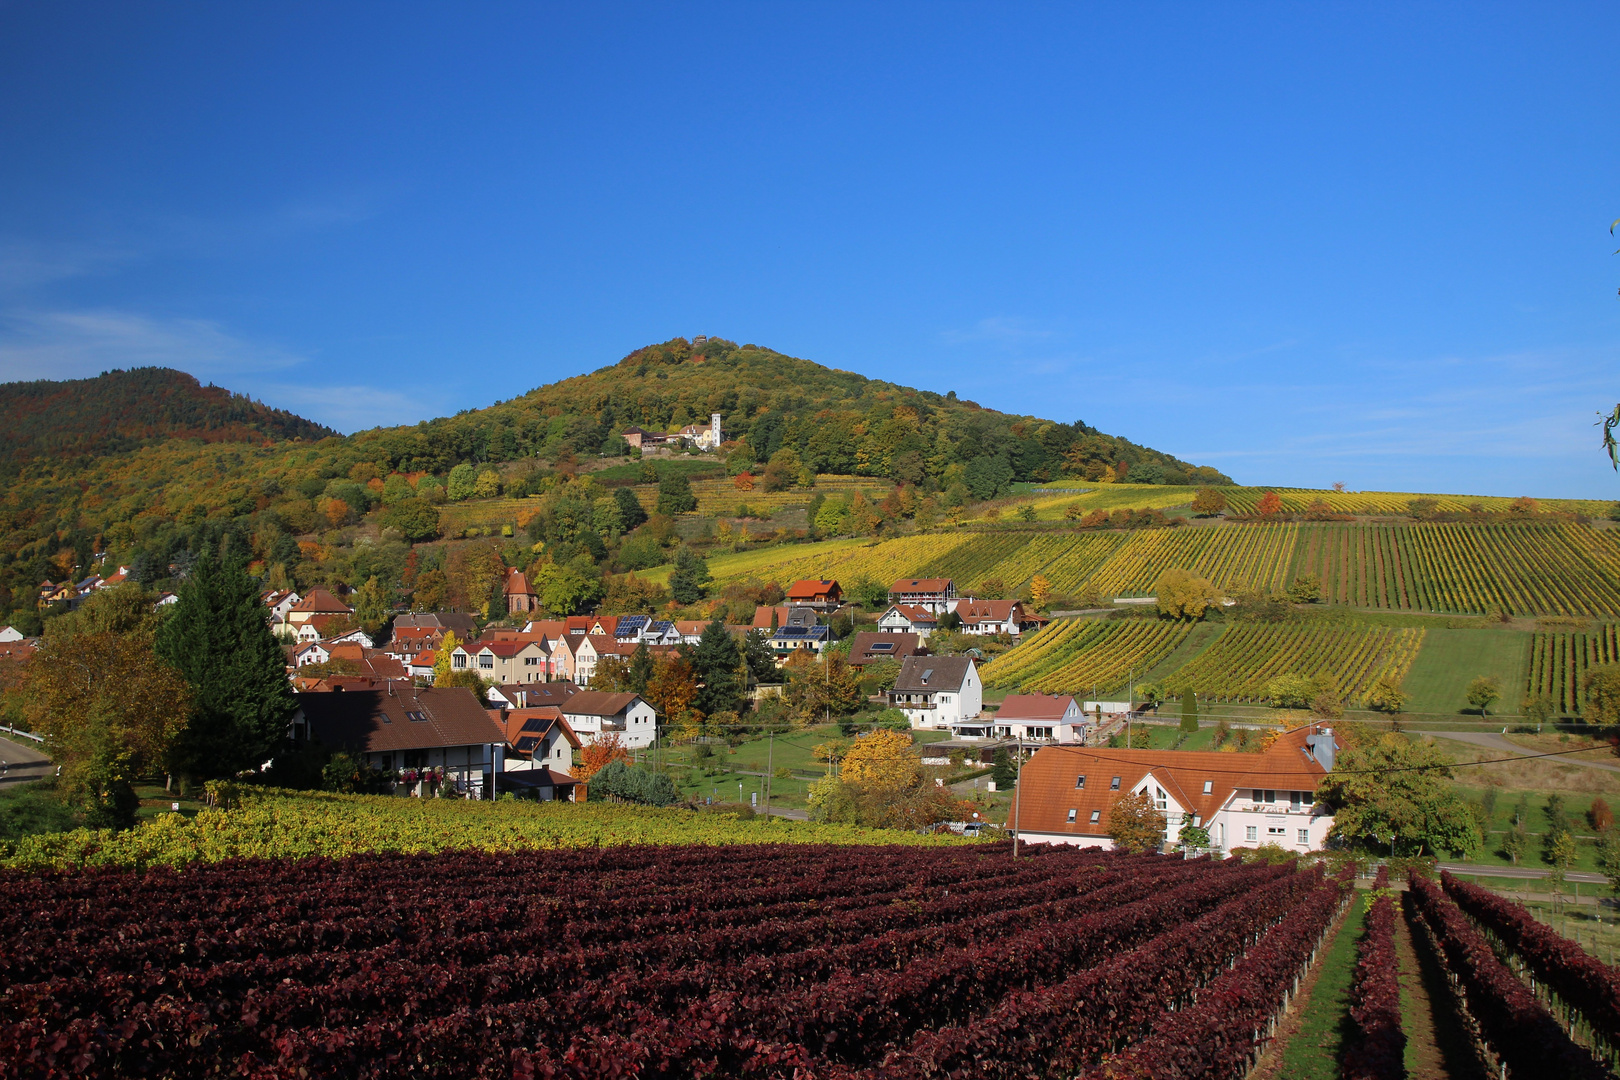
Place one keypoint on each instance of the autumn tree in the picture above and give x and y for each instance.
(475, 573)
(1181, 595)
(218, 640)
(1134, 823)
(671, 689)
(1208, 501)
(881, 759)
(1270, 505)
(817, 690)
(1386, 696)
(1600, 690)
(1040, 591)
(431, 589)
(1482, 694)
(1397, 787)
(442, 657)
(373, 607)
(596, 754)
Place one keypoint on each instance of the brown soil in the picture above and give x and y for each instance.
(1438, 1046)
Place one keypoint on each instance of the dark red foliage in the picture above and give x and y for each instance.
(1376, 1048)
(657, 962)
(1585, 983)
(1521, 1032)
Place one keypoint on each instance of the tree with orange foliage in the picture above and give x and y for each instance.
(1270, 505)
(596, 755)
(671, 689)
(743, 481)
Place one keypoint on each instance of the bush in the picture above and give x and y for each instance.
(632, 783)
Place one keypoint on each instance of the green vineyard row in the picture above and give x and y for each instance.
(1243, 659)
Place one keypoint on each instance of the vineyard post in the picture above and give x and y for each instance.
(1018, 789)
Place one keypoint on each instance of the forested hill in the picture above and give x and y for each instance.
(835, 421)
(124, 410)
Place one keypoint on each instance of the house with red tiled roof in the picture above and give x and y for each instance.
(421, 665)
(996, 617)
(1244, 800)
(594, 715)
(520, 595)
(820, 593)
(506, 660)
(932, 593)
(315, 602)
(537, 737)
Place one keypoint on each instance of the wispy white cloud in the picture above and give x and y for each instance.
(352, 408)
(73, 344)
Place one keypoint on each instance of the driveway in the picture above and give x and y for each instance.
(1585, 877)
(1494, 742)
(24, 761)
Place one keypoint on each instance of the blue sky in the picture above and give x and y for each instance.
(1302, 242)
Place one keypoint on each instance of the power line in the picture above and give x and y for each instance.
(1339, 772)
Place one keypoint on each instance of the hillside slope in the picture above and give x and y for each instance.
(120, 411)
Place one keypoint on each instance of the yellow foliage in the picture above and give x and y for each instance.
(881, 759)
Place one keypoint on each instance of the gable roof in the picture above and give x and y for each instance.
(402, 718)
(464, 624)
(972, 611)
(599, 703)
(536, 694)
(1051, 776)
(913, 614)
(516, 584)
(921, 585)
(319, 600)
(527, 728)
(933, 673)
(1034, 707)
(869, 645)
(811, 588)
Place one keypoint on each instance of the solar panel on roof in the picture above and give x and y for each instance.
(882, 646)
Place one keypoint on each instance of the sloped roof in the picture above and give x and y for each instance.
(1034, 707)
(319, 600)
(403, 718)
(868, 646)
(598, 703)
(914, 614)
(535, 694)
(932, 673)
(516, 584)
(1050, 778)
(972, 611)
(811, 588)
(927, 585)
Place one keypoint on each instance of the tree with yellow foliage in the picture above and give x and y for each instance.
(1040, 591)
(441, 659)
(1184, 596)
(881, 759)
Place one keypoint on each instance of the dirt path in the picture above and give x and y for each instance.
(1437, 1044)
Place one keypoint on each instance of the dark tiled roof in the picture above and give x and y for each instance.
(931, 673)
(403, 718)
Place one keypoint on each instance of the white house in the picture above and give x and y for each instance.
(936, 594)
(595, 715)
(1244, 800)
(938, 691)
(995, 617)
(908, 619)
(1041, 718)
(10, 633)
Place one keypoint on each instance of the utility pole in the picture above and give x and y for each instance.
(1130, 692)
(770, 748)
(1018, 789)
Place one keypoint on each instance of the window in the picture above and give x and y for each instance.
(417, 717)
(458, 660)
(1072, 814)
(485, 660)
(1080, 783)
(1115, 785)
(1264, 796)
(1305, 837)
(1159, 799)
(1251, 833)
(1095, 814)
(1296, 799)
(1209, 787)
(1275, 831)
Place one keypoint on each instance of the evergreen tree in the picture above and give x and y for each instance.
(1003, 772)
(220, 643)
(1189, 711)
(717, 662)
(689, 578)
(630, 509)
(675, 494)
(641, 669)
(761, 660)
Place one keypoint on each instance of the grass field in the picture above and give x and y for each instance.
(1312, 1053)
(1451, 659)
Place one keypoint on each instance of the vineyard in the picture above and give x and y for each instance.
(1254, 555)
(748, 962)
(1558, 569)
(295, 825)
(1558, 663)
(1085, 656)
(1246, 500)
(722, 497)
(1244, 658)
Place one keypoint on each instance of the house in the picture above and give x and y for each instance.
(419, 633)
(520, 595)
(908, 619)
(1041, 718)
(321, 627)
(356, 636)
(934, 594)
(662, 632)
(306, 653)
(506, 660)
(938, 691)
(317, 602)
(629, 628)
(421, 665)
(1244, 800)
(641, 439)
(821, 594)
(868, 646)
(403, 727)
(278, 602)
(369, 663)
(690, 630)
(996, 617)
(790, 639)
(164, 599)
(594, 715)
(531, 695)
(537, 738)
(704, 438)
(10, 633)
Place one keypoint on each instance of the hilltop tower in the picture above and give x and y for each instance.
(714, 428)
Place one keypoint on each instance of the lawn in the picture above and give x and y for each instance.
(1313, 1051)
(1451, 659)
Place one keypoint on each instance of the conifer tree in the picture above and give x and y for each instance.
(219, 640)
(717, 663)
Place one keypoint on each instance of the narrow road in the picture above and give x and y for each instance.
(24, 761)
(1585, 877)
(1491, 741)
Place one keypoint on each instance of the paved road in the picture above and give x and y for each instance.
(24, 761)
(1528, 873)
(1492, 741)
